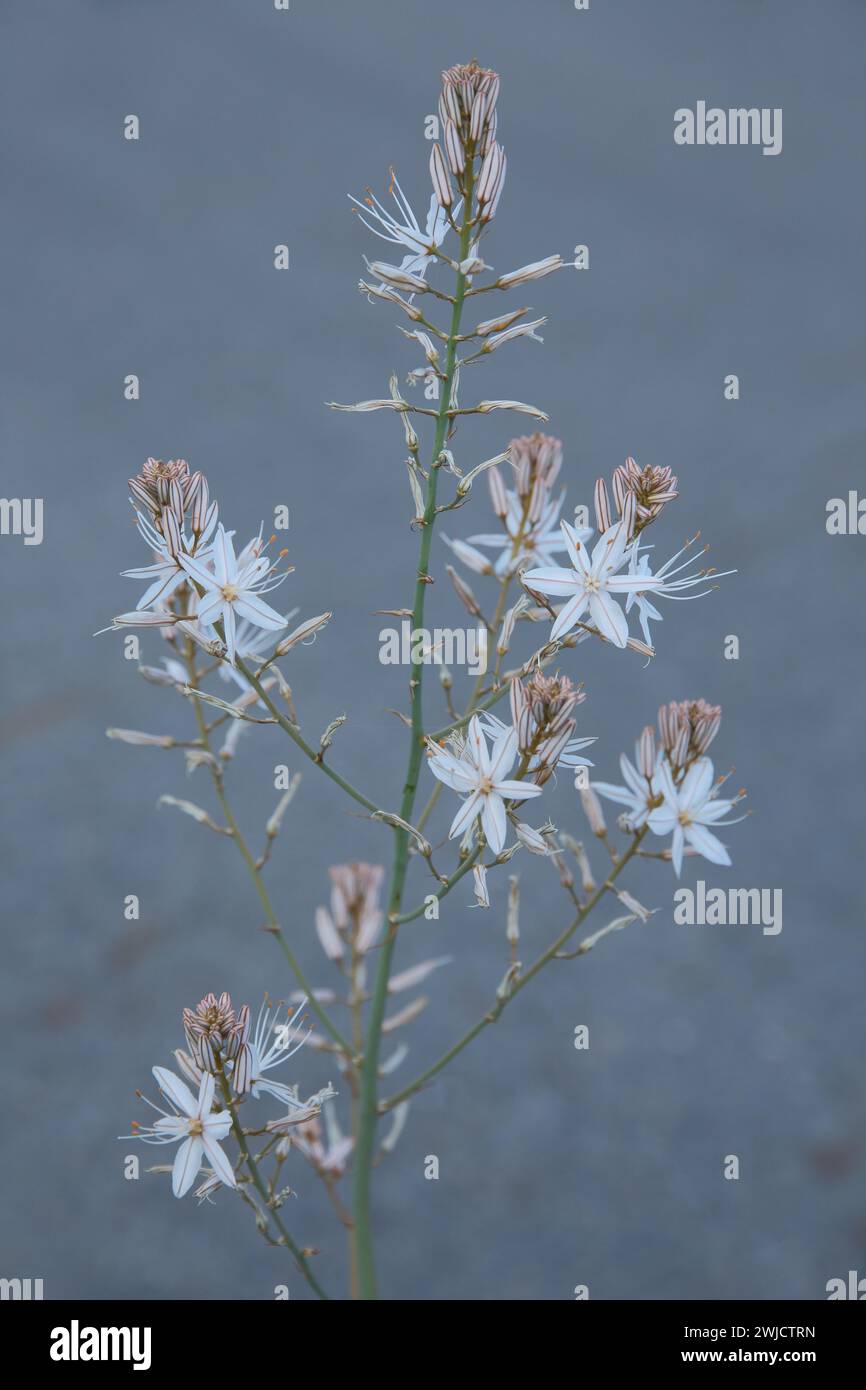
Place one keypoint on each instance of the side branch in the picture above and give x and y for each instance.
(517, 983)
(295, 735)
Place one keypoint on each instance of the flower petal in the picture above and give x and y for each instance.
(553, 580)
(677, 847)
(608, 618)
(569, 615)
(177, 1091)
(461, 777)
(666, 785)
(576, 549)
(706, 843)
(205, 1095)
(209, 609)
(163, 587)
(248, 605)
(609, 550)
(186, 1165)
(218, 1160)
(621, 795)
(516, 791)
(503, 753)
(225, 565)
(198, 571)
(493, 822)
(476, 743)
(218, 1125)
(696, 784)
(465, 816)
(229, 629)
(712, 811)
(632, 777)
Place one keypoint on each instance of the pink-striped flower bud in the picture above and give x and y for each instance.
(646, 751)
(490, 85)
(170, 527)
(602, 506)
(489, 175)
(536, 270)
(652, 488)
(680, 751)
(498, 494)
(628, 514)
(477, 117)
(454, 149)
(439, 178)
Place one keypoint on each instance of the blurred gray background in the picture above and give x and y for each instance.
(558, 1167)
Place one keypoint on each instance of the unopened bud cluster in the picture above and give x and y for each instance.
(171, 496)
(537, 460)
(216, 1034)
(687, 728)
(643, 493)
(467, 110)
(541, 714)
(355, 918)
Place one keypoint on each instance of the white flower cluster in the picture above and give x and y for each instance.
(617, 566)
(541, 734)
(578, 581)
(222, 1052)
(671, 788)
(195, 564)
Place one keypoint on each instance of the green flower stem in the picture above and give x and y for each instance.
(442, 890)
(368, 1100)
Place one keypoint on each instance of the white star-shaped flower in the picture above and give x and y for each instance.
(482, 777)
(688, 809)
(232, 588)
(196, 1124)
(405, 230)
(592, 583)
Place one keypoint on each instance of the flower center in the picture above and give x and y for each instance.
(485, 786)
(591, 584)
(229, 593)
(196, 1127)
(684, 819)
